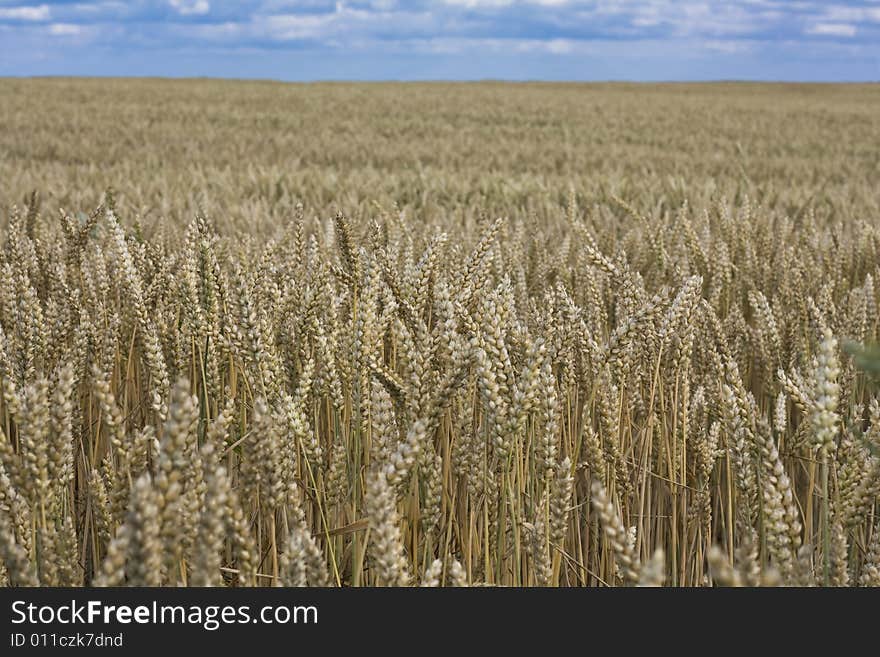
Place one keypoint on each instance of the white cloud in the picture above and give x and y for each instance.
(560, 46)
(343, 22)
(464, 45)
(213, 31)
(37, 13)
(65, 29)
(296, 26)
(837, 13)
(96, 7)
(832, 29)
(493, 4)
(190, 7)
(476, 4)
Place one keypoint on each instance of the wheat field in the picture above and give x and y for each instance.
(487, 334)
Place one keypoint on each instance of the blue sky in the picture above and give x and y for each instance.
(445, 39)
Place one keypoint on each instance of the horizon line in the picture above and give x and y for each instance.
(379, 80)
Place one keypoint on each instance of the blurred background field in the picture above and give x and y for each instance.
(252, 150)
